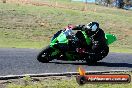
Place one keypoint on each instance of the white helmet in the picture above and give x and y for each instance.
(92, 26)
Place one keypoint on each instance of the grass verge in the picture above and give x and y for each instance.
(57, 82)
(31, 26)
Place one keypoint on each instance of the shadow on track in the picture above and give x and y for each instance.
(114, 64)
(106, 64)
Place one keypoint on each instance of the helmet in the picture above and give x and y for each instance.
(92, 26)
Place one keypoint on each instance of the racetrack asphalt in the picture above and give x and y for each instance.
(15, 61)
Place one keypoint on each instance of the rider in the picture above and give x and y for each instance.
(96, 35)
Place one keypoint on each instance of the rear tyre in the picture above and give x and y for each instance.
(104, 53)
(44, 55)
(93, 58)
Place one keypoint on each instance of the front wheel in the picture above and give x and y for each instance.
(44, 55)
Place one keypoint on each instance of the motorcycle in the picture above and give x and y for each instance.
(64, 46)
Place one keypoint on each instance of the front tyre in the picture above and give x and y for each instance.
(44, 55)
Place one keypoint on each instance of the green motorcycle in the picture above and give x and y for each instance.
(61, 49)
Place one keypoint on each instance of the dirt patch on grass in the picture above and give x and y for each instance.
(45, 3)
(36, 3)
(128, 32)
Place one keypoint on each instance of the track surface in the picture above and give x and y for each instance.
(23, 61)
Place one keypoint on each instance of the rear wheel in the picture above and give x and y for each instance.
(44, 55)
(104, 53)
(93, 58)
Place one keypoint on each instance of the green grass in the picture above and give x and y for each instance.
(28, 26)
(64, 82)
(120, 50)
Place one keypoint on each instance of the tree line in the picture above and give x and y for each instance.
(115, 3)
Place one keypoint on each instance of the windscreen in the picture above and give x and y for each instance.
(68, 32)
